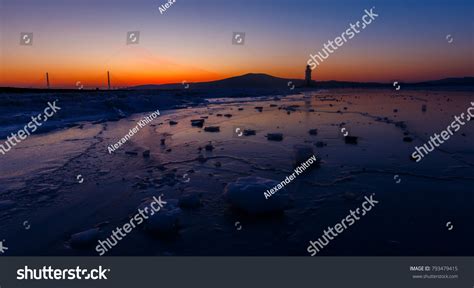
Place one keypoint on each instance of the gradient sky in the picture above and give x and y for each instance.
(80, 40)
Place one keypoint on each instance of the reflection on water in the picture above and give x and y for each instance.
(416, 199)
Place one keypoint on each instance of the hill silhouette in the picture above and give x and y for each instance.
(250, 80)
(260, 82)
(265, 81)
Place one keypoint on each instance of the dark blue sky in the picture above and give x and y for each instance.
(192, 39)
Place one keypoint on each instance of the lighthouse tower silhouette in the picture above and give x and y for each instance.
(307, 78)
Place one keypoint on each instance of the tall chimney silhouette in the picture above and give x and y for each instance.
(47, 80)
(108, 79)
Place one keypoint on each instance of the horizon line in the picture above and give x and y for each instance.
(236, 76)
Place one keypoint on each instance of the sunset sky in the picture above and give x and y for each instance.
(80, 40)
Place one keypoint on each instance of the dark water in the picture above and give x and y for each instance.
(416, 200)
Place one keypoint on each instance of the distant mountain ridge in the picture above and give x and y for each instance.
(262, 83)
(250, 80)
(265, 81)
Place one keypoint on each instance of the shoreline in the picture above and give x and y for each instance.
(82, 106)
(70, 170)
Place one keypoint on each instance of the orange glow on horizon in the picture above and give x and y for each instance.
(138, 66)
